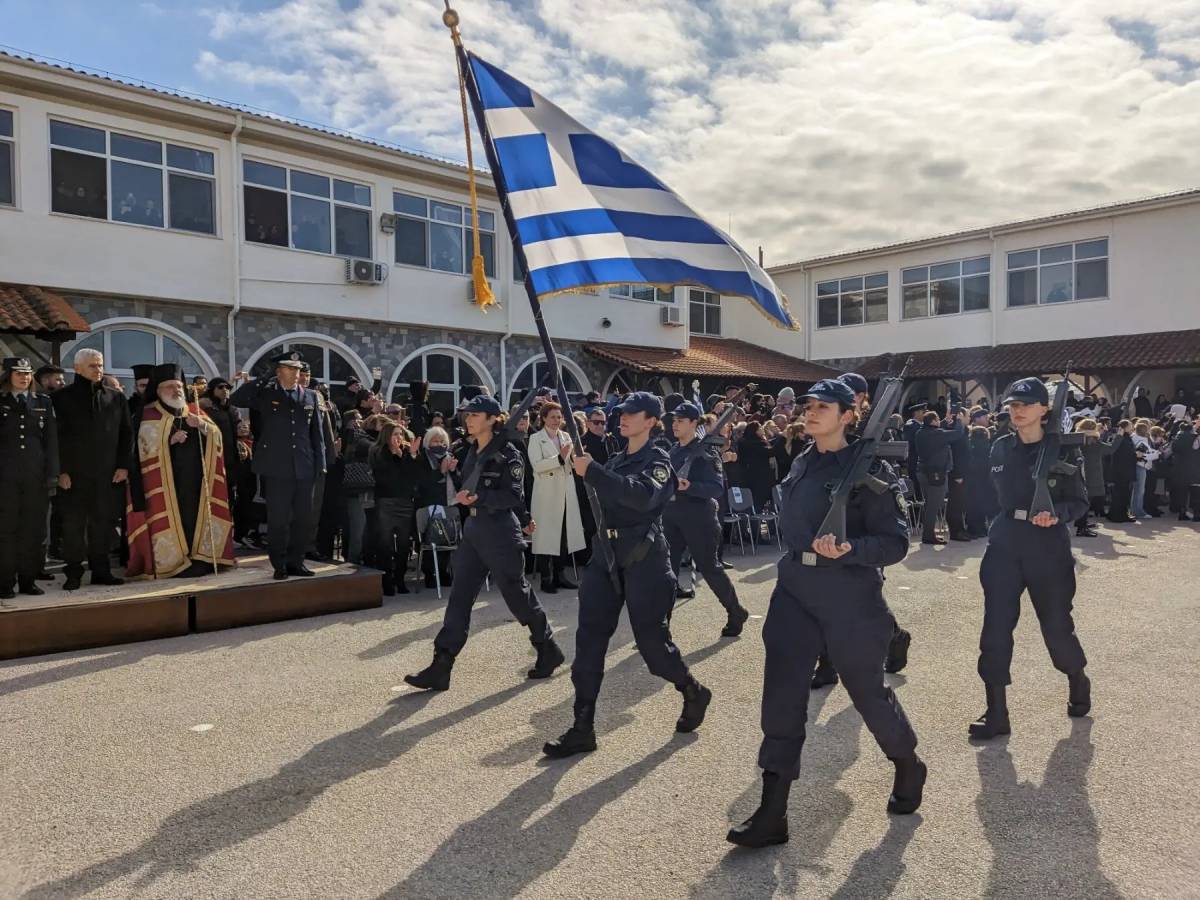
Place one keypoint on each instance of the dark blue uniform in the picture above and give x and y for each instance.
(289, 453)
(28, 468)
(633, 489)
(836, 604)
(1021, 555)
(492, 542)
(691, 522)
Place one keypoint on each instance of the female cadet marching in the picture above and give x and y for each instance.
(1029, 552)
(633, 487)
(495, 517)
(830, 595)
(691, 521)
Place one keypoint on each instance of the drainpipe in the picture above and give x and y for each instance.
(994, 278)
(237, 250)
(503, 386)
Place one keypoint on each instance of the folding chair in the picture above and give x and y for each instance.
(737, 519)
(741, 509)
(915, 506)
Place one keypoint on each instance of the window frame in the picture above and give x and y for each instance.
(400, 382)
(166, 170)
(1074, 263)
(960, 278)
(707, 304)
(106, 329)
(625, 292)
(464, 227)
(886, 287)
(11, 141)
(331, 200)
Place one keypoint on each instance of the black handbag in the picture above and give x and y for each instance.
(358, 477)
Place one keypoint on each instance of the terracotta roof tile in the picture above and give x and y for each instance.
(31, 310)
(1154, 350)
(713, 356)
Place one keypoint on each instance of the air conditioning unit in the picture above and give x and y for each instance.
(471, 290)
(671, 316)
(387, 223)
(364, 271)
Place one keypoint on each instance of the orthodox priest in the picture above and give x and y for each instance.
(178, 517)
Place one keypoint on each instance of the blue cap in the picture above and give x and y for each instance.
(481, 404)
(1028, 390)
(642, 402)
(831, 390)
(688, 410)
(857, 383)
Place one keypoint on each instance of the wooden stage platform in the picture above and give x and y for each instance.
(145, 610)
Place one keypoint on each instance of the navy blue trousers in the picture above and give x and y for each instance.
(693, 525)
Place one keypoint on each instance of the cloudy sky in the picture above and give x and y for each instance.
(808, 126)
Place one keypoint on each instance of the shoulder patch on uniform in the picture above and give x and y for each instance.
(516, 471)
(660, 474)
(901, 503)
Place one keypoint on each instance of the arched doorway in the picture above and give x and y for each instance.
(446, 368)
(128, 341)
(533, 370)
(331, 362)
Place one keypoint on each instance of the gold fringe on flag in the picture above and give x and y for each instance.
(483, 291)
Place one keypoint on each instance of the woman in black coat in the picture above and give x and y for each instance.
(433, 465)
(1123, 472)
(394, 465)
(754, 457)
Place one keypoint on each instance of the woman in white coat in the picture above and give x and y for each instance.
(555, 505)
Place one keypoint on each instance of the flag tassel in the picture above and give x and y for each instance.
(483, 290)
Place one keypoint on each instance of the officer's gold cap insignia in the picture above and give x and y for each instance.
(295, 356)
(660, 474)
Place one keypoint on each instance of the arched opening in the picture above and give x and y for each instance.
(621, 380)
(533, 370)
(128, 342)
(331, 362)
(447, 369)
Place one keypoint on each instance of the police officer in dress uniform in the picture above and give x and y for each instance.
(495, 518)
(690, 519)
(830, 595)
(633, 487)
(28, 470)
(1029, 553)
(897, 654)
(289, 453)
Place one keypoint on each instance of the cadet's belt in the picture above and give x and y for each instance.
(638, 552)
(689, 498)
(810, 558)
(476, 511)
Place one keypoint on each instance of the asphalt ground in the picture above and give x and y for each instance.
(290, 760)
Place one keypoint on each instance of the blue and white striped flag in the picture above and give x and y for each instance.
(588, 216)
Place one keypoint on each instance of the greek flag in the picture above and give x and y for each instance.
(588, 216)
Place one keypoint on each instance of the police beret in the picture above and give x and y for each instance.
(291, 359)
(687, 410)
(831, 390)
(857, 383)
(1028, 390)
(17, 364)
(642, 402)
(481, 404)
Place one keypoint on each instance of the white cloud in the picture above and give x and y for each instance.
(816, 125)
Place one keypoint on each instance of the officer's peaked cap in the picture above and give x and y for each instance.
(17, 364)
(291, 359)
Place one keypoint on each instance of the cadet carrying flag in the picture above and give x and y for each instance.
(588, 216)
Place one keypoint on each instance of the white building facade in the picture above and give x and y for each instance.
(182, 230)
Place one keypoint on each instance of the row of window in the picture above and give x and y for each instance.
(7, 162)
(1058, 274)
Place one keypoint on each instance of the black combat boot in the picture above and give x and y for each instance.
(1080, 702)
(994, 720)
(435, 676)
(737, 619)
(897, 655)
(579, 738)
(684, 593)
(696, 698)
(549, 658)
(907, 786)
(825, 673)
(768, 825)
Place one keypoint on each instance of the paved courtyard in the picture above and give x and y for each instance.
(289, 760)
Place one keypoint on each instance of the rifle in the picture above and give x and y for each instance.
(506, 434)
(867, 449)
(1053, 440)
(705, 438)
